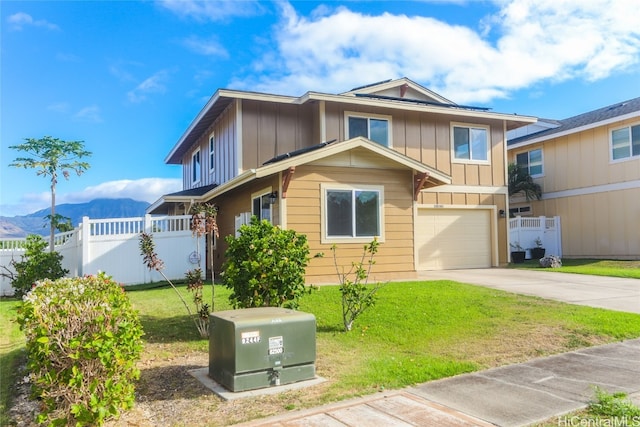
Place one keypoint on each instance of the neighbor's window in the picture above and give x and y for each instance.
(195, 167)
(261, 206)
(625, 142)
(531, 161)
(375, 128)
(212, 153)
(471, 143)
(353, 212)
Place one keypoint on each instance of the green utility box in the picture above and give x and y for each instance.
(261, 347)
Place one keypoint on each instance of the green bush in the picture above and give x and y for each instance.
(36, 264)
(265, 266)
(83, 341)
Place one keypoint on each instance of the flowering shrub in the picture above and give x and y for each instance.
(265, 266)
(83, 341)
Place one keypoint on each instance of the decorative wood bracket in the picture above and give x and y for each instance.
(286, 179)
(420, 179)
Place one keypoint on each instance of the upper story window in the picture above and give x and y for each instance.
(212, 153)
(352, 213)
(625, 142)
(195, 167)
(470, 143)
(261, 206)
(531, 161)
(374, 127)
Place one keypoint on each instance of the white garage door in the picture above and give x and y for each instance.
(453, 238)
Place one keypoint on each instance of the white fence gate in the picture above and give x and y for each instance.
(112, 246)
(526, 230)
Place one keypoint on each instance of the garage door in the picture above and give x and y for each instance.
(453, 238)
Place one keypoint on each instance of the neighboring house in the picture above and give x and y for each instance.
(392, 159)
(589, 169)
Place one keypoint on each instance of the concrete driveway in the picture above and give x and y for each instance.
(595, 291)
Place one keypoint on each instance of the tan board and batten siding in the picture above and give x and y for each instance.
(595, 197)
(395, 257)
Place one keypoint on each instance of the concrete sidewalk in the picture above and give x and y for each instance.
(522, 394)
(509, 396)
(612, 293)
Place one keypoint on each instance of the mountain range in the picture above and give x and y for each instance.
(36, 223)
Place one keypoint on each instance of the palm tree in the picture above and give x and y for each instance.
(51, 156)
(521, 182)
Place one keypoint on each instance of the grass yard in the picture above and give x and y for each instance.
(11, 353)
(596, 267)
(417, 331)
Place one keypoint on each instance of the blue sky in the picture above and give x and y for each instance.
(128, 77)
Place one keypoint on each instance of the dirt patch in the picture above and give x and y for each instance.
(167, 395)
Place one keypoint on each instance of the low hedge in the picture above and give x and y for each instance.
(83, 341)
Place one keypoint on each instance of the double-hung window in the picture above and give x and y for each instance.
(531, 161)
(212, 153)
(376, 128)
(261, 206)
(195, 167)
(352, 212)
(625, 142)
(470, 143)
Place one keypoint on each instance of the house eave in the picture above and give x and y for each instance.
(571, 131)
(512, 120)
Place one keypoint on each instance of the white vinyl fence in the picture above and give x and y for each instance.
(112, 246)
(525, 230)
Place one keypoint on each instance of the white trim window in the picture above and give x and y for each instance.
(195, 167)
(625, 142)
(261, 206)
(470, 143)
(531, 161)
(353, 213)
(212, 152)
(372, 126)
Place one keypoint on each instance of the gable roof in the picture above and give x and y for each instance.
(417, 98)
(307, 155)
(600, 117)
(404, 86)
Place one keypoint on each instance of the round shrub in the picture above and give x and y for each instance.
(265, 266)
(83, 341)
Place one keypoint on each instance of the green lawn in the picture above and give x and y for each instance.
(596, 267)
(417, 331)
(11, 353)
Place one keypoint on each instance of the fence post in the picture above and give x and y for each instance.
(147, 223)
(85, 258)
(558, 234)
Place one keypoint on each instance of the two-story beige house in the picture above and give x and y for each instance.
(589, 169)
(391, 160)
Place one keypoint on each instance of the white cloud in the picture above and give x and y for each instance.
(213, 10)
(151, 85)
(210, 47)
(525, 42)
(144, 189)
(89, 114)
(19, 20)
(59, 107)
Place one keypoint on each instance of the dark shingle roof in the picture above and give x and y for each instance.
(198, 191)
(585, 119)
